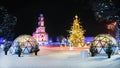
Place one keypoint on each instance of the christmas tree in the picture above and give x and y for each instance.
(76, 37)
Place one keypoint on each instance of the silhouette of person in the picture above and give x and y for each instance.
(92, 50)
(6, 49)
(19, 50)
(36, 49)
(109, 50)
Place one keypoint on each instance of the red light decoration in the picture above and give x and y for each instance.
(111, 25)
(112, 28)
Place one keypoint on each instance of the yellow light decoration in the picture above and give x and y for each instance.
(25, 40)
(76, 36)
(103, 40)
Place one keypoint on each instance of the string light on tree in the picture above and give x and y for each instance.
(76, 37)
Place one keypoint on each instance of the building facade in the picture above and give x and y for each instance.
(40, 35)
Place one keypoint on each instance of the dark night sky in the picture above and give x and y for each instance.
(58, 15)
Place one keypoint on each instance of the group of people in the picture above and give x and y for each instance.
(19, 50)
(108, 51)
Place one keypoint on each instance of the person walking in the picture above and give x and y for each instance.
(19, 51)
(92, 50)
(6, 49)
(109, 50)
(36, 49)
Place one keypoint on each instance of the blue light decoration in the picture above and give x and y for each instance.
(1, 41)
(88, 39)
(41, 15)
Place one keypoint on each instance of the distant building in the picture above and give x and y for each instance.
(40, 35)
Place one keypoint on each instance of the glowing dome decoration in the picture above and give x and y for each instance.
(25, 40)
(103, 40)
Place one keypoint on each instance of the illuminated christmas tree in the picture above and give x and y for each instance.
(76, 37)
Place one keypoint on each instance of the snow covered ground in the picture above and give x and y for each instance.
(58, 59)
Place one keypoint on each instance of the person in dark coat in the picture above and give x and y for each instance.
(19, 51)
(109, 50)
(96, 51)
(6, 49)
(36, 49)
(92, 50)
